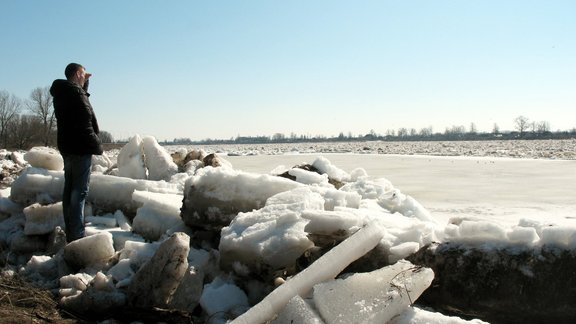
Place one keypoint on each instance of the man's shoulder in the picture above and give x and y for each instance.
(65, 87)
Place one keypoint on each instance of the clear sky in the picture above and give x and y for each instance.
(219, 69)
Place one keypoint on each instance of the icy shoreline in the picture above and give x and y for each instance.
(232, 231)
(526, 149)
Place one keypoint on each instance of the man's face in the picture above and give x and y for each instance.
(82, 75)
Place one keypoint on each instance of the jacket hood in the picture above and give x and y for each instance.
(61, 86)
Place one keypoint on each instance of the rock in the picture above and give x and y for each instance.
(155, 283)
(56, 241)
(194, 155)
(510, 284)
(308, 167)
(187, 295)
(215, 161)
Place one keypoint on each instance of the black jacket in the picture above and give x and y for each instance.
(77, 124)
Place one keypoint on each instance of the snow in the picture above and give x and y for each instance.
(396, 204)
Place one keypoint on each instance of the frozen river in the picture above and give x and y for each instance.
(502, 189)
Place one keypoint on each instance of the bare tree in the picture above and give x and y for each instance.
(23, 131)
(106, 137)
(10, 107)
(543, 127)
(40, 105)
(522, 123)
(402, 132)
(496, 129)
(426, 131)
(473, 129)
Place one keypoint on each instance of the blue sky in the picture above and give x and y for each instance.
(219, 69)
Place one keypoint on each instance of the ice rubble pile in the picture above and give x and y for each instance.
(180, 231)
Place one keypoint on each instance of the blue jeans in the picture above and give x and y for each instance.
(76, 182)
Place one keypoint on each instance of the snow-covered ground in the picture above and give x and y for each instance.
(496, 188)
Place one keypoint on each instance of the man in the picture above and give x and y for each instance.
(77, 142)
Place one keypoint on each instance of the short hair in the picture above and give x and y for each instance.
(71, 70)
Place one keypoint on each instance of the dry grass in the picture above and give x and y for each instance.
(20, 302)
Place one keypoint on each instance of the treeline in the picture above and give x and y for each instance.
(25, 123)
(524, 129)
(31, 122)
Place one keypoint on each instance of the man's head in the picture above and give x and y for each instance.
(76, 73)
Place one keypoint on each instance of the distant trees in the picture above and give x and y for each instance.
(23, 132)
(24, 124)
(10, 107)
(521, 123)
(106, 137)
(495, 129)
(40, 105)
(23, 128)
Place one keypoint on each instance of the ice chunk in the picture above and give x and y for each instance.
(526, 235)
(298, 310)
(273, 235)
(308, 177)
(337, 198)
(90, 251)
(369, 189)
(563, 236)
(45, 158)
(138, 252)
(101, 162)
(329, 222)
(121, 270)
(43, 219)
(35, 183)
(131, 159)
(111, 193)
(325, 268)
(402, 251)
(213, 303)
(159, 162)
(325, 166)
(481, 231)
(78, 281)
(215, 195)
(122, 221)
(415, 315)
(395, 201)
(374, 297)
(159, 212)
(103, 220)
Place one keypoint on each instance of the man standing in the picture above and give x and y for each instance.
(77, 142)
